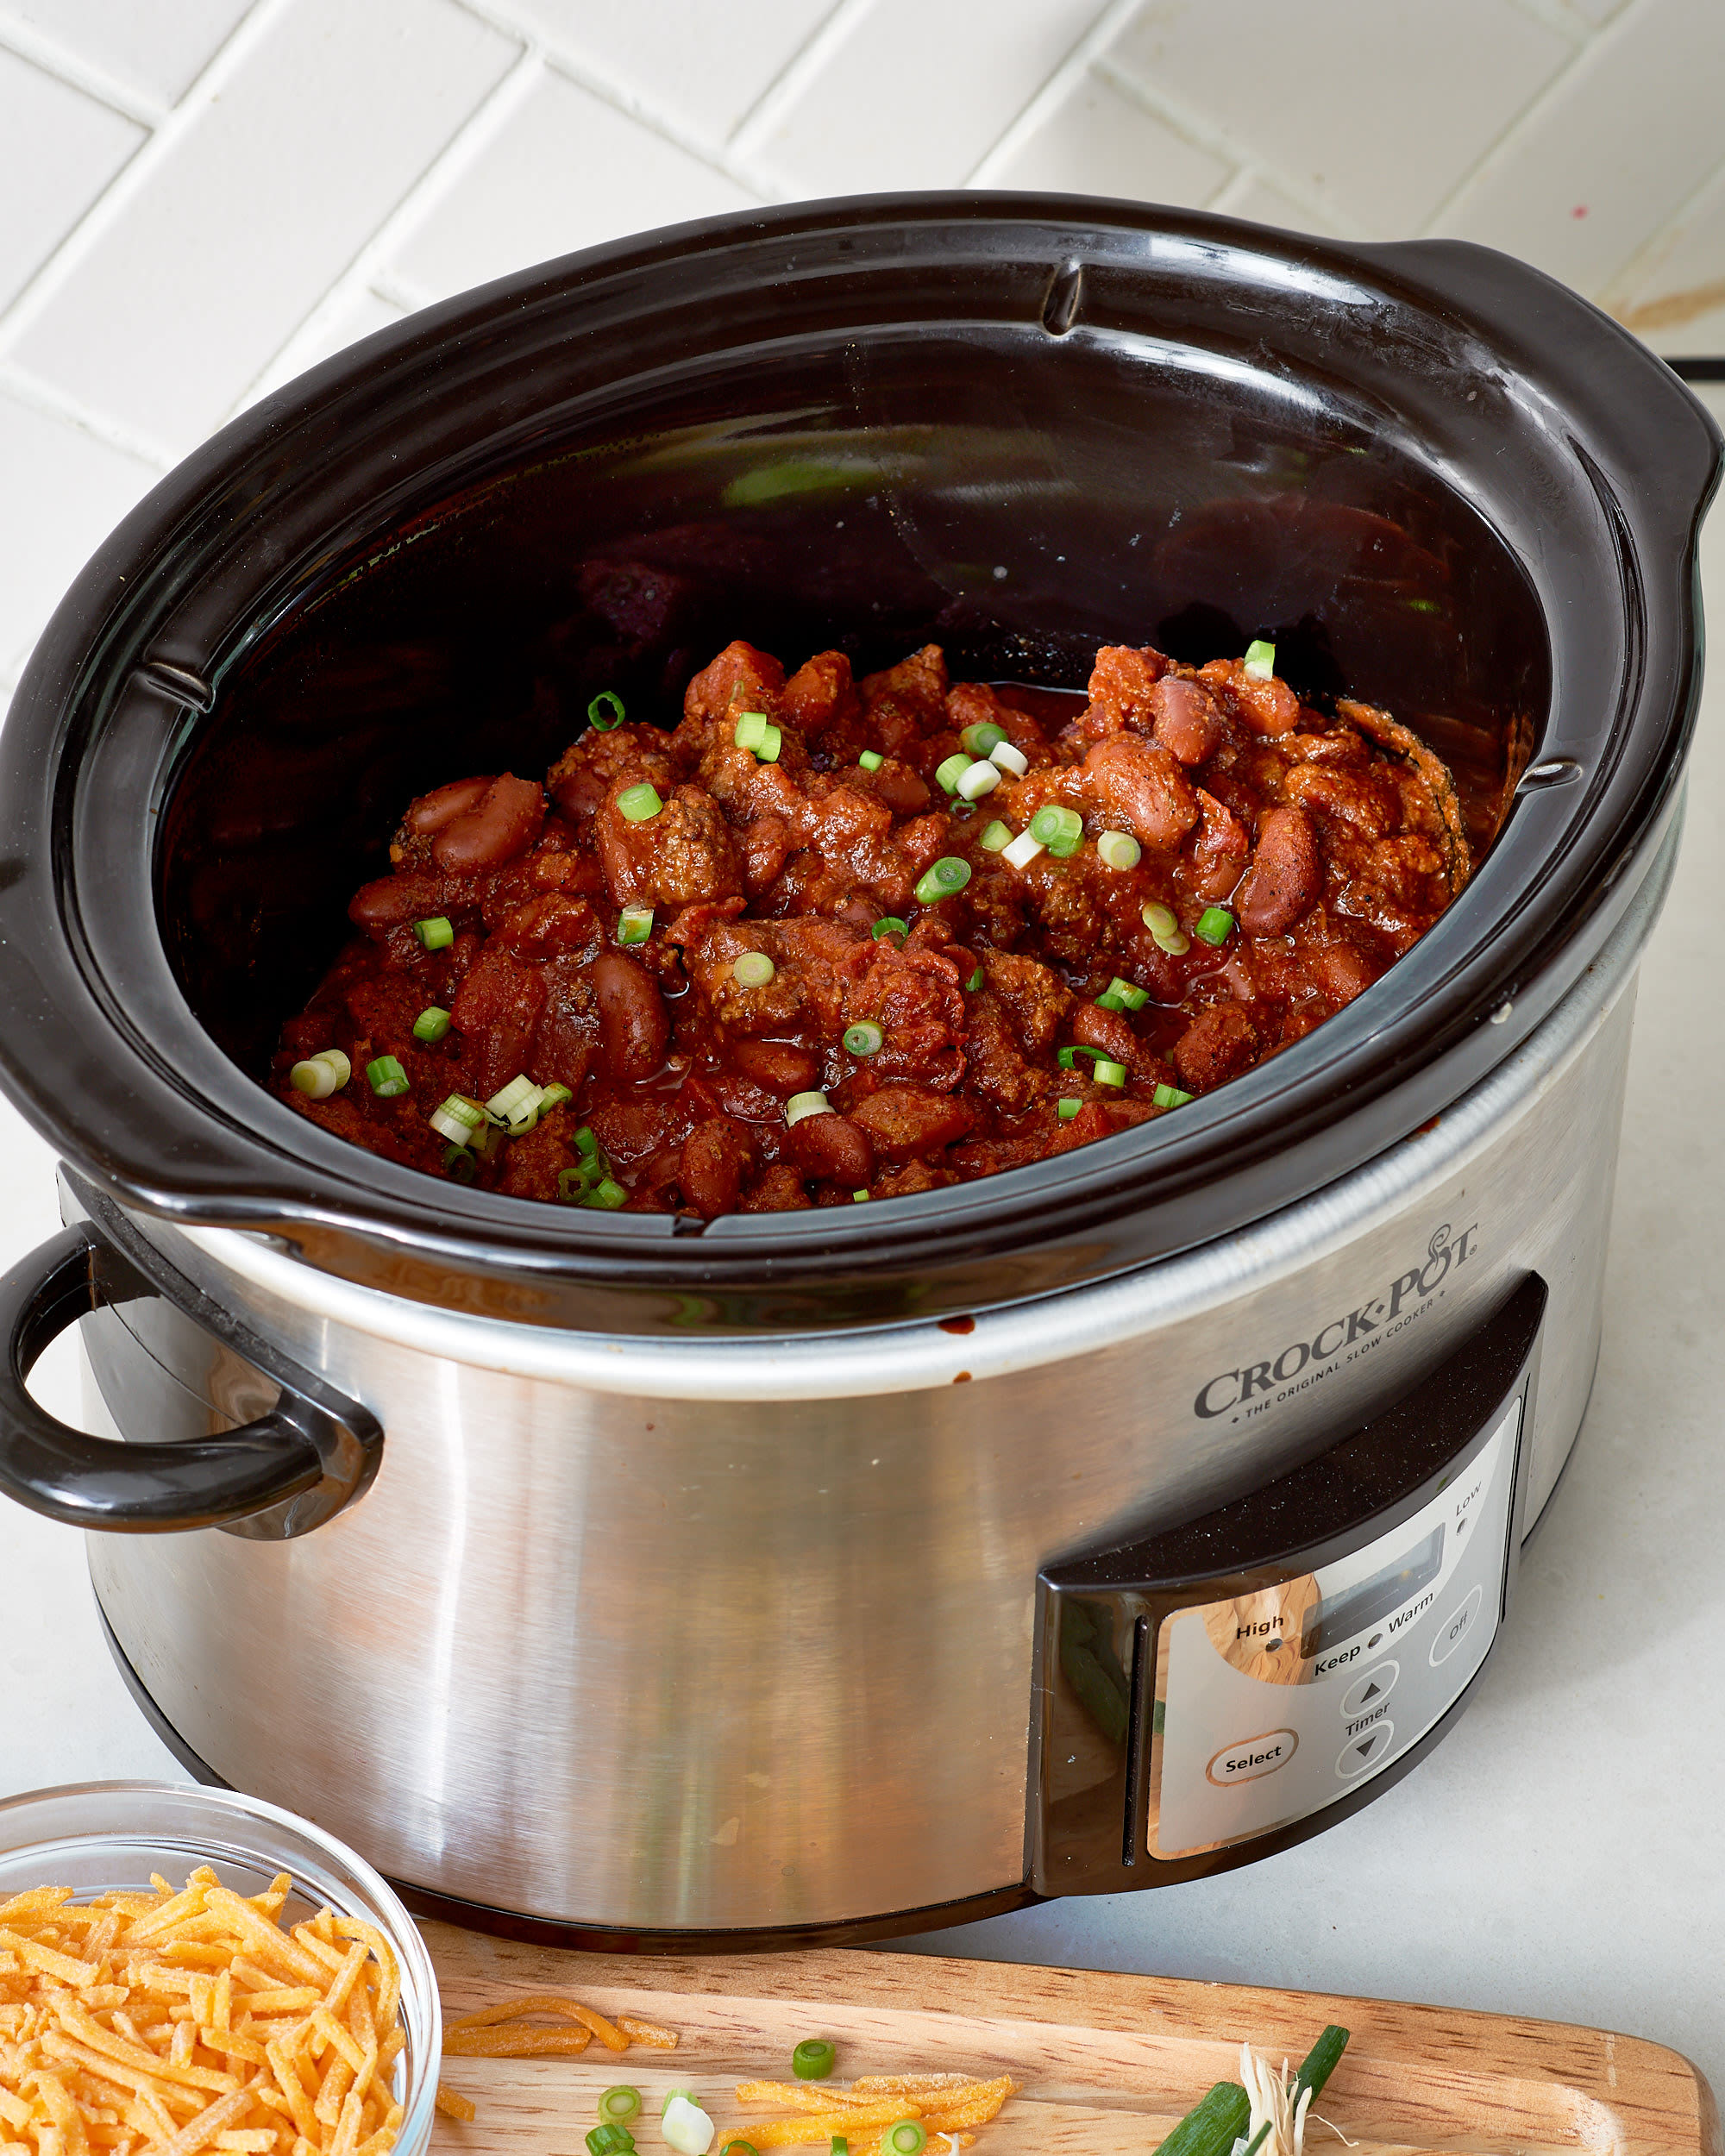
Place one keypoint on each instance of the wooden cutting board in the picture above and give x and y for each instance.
(1104, 2064)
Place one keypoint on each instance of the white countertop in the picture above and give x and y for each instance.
(1559, 1855)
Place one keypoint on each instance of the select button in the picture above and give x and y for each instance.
(1252, 1757)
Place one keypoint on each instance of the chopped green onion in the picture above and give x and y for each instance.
(996, 836)
(517, 1105)
(976, 981)
(1260, 659)
(1319, 2063)
(864, 1039)
(983, 739)
(1176, 945)
(321, 1075)
(801, 1105)
(771, 742)
(1160, 920)
(586, 1143)
(337, 1062)
(456, 1118)
(1119, 850)
(947, 774)
(1009, 758)
(671, 2096)
(1069, 1109)
(640, 804)
(740, 2149)
(437, 933)
(871, 759)
(1066, 1054)
(890, 924)
(1109, 1002)
(431, 1024)
(813, 2059)
(1061, 830)
(686, 2127)
(1108, 1074)
(553, 1097)
(1214, 2127)
(1215, 925)
(607, 1195)
(859, 1197)
(387, 1077)
(751, 730)
(908, 2138)
(978, 779)
(1023, 850)
(619, 2103)
(948, 874)
(458, 1164)
(635, 924)
(839, 2146)
(574, 1184)
(606, 712)
(754, 969)
(1170, 1097)
(1129, 993)
(609, 2139)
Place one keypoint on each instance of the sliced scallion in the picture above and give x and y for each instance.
(1109, 1074)
(859, 1197)
(813, 2059)
(320, 1075)
(801, 1105)
(996, 836)
(1066, 1056)
(750, 730)
(1119, 850)
(456, 1118)
(607, 1195)
(518, 1104)
(435, 934)
(671, 2096)
(871, 759)
(864, 1039)
(1068, 1109)
(1023, 850)
(1170, 1097)
(586, 1143)
(983, 739)
(635, 924)
(771, 742)
(908, 2138)
(1215, 925)
(1009, 758)
(1109, 1002)
(979, 778)
(610, 2139)
(1129, 993)
(1160, 920)
(386, 1077)
(947, 774)
(948, 874)
(1212, 2127)
(431, 1026)
(890, 924)
(754, 969)
(458, 1164)
(574, 1184)
(606, 712)
(553, 1097)
(640, 804)
(686, 2127)
(1260, 659)
(620, 2104)
(976, 981)
(1060, 828)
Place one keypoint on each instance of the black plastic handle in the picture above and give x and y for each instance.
(272, 1479)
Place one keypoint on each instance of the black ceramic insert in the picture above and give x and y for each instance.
(1017, 425)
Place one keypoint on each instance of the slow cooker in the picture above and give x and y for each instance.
(1105, 1523)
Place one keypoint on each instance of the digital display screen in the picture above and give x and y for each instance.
(1355, 1609)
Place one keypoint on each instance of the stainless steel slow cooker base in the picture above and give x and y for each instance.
(664, 1717)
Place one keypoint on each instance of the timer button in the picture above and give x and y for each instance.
(1369, 1692)
(1252, 1758)
(1456, 1628)
(1365, 1751)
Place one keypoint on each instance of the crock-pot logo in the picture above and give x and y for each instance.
(1255, 1386)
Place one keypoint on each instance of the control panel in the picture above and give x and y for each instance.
(1211, 1694)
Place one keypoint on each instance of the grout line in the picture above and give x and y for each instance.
(136, 173)
(1557, 15)
(72, 68)
(1103, 32)
(769, 89)
(368, 267)
(401, 291)
(748, 141)
(1623, 287)
(43, 397)
(1197, 128)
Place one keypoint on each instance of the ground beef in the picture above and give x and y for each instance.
(728, 957)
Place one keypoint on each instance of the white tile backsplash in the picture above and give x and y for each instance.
(699, 65)
(912, 93)
(200, 198)
(59, 149)
(278, 177)
(568, 171)
(1376, 109)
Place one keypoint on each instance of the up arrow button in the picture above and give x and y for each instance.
(1368, 1690)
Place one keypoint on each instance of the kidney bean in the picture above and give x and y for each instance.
(634, 1025)
(833, 1148)
(431, 812)
(504, 823)
(1187, 722)
(715, 1157)
(780, 1066)
(1139, 784)
(410, 896)
(1285, 879)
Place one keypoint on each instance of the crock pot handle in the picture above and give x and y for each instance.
(272, 1479)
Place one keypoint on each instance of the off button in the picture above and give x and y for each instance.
(1252, 1757)
(1456, 1628)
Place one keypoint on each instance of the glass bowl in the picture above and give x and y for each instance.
(98, 1837)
